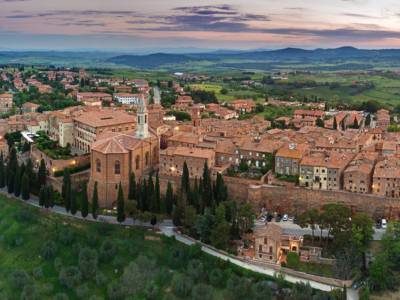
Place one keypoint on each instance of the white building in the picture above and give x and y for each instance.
(130, 99)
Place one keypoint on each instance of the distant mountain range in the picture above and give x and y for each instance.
(336, 55)
(344, 58)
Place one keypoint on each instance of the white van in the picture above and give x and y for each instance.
(384, 223)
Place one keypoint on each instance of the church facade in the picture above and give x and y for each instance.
(115, 155)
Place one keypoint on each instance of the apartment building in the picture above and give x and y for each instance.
(6, 102)
(89, 125)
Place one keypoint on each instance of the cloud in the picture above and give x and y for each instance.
(362, 16)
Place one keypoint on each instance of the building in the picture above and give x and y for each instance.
(386, 178)
(88, 125)
(357, 177)
(272, 243)
(183, 103)
(287, 159)
(93, 99)
(6, 102)
(173, 158)
(29, 107)
(382, 118)
(323, 170)
(129, 99)
(243, 106)
(116, 154)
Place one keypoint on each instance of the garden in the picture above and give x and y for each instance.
(47, 256)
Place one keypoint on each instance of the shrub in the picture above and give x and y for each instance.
(261, 291)
(195, 270)
(49, 250)
(151, 291)
(217, 278)
(292, 260)
(182, 286)
(114, 291)
(88, 262)
(38, 272)
(82, 291)
(19, 279)
(70, 276)
(100, 278)
(61, 296)
(66, 236)
(29, 293)
(107, 251)
(202, 292)
(58, 264)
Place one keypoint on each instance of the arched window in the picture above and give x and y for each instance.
(147, 158)
(137, 162)
(98, 165)
(155, 154)
(117, 167)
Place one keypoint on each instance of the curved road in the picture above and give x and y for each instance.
(167, 229)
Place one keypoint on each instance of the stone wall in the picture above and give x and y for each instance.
(294, 200)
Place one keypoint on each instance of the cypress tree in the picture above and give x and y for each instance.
(42, 173)
(95, 201)
(2, 172)
(12, 166)
(66, 190)
(120, 205)
(17, 182)
(25, 187)
(144, 196)
(32, 177)
(49, 196)
(138, 196)
(85, 202)
(220, 189)
(42, 196)
(132, 187)
(195, 196)
(334, 123)
(185, 183)
(157, 194)
(169, 199)
(355, 124)
(150, 194)
(207, 195)
(73, 202)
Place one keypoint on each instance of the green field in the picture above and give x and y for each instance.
(46, 256)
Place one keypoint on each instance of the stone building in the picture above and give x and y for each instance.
(173, 158)
(6, 102)
(116, 154)
(323, 170)
(89, 125)
(272, 243)
(386, 178)
(358, 175)
(287, 159)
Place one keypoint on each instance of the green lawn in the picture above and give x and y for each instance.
(38, 249)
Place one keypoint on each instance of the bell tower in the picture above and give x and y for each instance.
(142, 126)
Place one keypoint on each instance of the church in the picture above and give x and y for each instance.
(115, 155)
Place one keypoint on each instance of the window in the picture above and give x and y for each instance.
(137, 162)
(98, 165)
(117, 167)
(147, 158)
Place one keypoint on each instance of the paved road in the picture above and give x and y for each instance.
(167, 228)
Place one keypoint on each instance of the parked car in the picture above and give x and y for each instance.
(285, 217)
(384, 223)
(269, 218)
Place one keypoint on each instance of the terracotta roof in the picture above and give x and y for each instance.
(104, 118)
(189, 152)
(112, 142)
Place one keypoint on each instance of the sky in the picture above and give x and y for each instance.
(203, 24)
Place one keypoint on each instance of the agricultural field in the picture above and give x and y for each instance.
(47, 256)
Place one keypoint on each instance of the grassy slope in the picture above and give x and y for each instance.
(24, 230)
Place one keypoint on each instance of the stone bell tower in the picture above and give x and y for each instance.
(142, 126)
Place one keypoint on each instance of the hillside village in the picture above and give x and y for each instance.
(114, 135)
